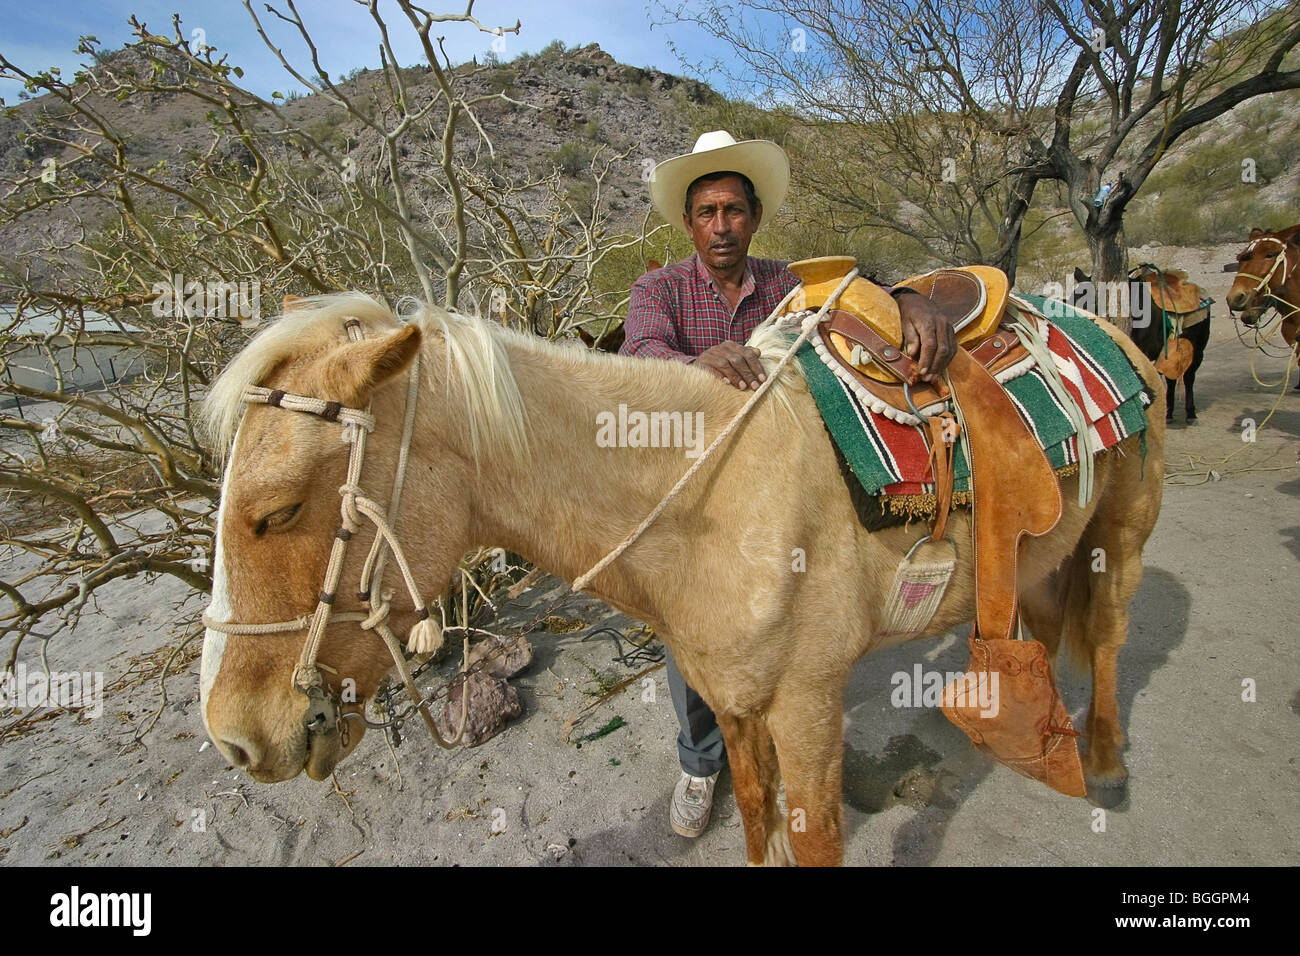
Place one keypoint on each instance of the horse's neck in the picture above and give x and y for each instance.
(1289, 291)
(576, 499)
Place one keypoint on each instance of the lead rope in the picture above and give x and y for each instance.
(809, 326)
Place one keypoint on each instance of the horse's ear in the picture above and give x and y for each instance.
(355, 370)
(1256, 232)
(1080, 275)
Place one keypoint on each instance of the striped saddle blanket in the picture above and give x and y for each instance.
(892, 459)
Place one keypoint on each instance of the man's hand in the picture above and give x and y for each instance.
(928, 337)
(737, 364)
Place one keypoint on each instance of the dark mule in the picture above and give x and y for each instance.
(1160, 303)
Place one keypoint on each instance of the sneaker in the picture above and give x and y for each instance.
(692, 802)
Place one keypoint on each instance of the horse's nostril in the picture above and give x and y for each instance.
(241, 755)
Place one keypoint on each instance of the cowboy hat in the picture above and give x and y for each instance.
(764, 162)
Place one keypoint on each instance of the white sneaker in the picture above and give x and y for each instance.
(692, 803)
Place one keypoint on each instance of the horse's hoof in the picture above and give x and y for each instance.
(1107, 792)
(1193, 420)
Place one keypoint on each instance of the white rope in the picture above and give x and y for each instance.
(260, 395)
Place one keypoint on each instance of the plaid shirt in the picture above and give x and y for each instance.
(677, 312)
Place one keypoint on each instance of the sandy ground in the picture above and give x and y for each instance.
(1214, 777)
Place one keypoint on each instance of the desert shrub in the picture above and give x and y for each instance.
(503, 80)
(554, 50)
(572, 158)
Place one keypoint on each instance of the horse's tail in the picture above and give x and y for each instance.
(1075, 596)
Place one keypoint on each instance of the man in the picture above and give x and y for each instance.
(700, 311)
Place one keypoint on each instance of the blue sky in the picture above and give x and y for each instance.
(37, 34)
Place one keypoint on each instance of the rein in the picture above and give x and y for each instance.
(809, 325)
(322, 713)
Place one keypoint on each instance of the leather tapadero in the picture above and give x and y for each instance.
(1018, 718)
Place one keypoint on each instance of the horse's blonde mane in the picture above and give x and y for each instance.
(476, 365)
(772, 344)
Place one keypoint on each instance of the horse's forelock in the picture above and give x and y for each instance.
(310, 323)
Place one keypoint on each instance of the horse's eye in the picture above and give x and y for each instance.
(278, 520)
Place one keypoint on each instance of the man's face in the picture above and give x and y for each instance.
(721, 223)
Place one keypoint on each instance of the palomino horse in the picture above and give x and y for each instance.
(505, 451)
(1268, 274)
(1168, 305)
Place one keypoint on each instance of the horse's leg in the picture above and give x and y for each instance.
(807, 724)
(1098, 596)
(1041, 611)
(754, 776)
(1171, 386)
(1200, 337)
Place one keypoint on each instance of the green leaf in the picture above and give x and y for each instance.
(239, 72)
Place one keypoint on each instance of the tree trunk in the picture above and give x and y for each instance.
(1009, 229)
(1109, 251)
(1010, 253)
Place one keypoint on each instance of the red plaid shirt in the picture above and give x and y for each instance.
(677, 312)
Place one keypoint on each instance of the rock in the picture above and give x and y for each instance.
(504, 663)
(492, 702)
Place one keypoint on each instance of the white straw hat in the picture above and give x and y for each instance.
(764, 162)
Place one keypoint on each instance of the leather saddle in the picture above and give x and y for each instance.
(865, 332)
(1014, 491)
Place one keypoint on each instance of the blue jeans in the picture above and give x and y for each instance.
(699, 741)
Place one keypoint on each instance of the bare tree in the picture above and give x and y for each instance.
(1152, 72)
(168, 261)
(939, 118)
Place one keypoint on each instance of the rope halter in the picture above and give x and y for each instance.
(355, 508)
(1265, 283)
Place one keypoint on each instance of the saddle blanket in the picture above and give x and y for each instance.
(892, 459)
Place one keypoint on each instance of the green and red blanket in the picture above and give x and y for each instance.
(892, 459)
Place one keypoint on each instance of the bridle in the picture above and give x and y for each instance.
(322, 718)
(1265, 283)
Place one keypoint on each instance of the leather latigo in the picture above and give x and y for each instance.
(999, 351)
(849, 328)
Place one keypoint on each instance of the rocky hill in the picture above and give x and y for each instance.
(579, 103)
(573, 106)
